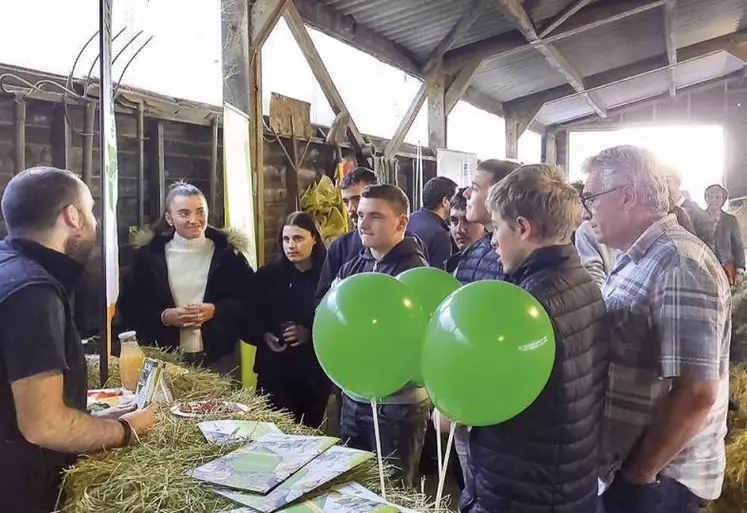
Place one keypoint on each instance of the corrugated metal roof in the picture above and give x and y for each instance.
(507, 78)
(717, 65)
(563, 110)
(419, 25)
(700, 20)
(646, 86)
(616, 44)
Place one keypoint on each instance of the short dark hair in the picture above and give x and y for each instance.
(307, 222)
(719, 187)
(458, 201)
(393, 195)
(33, 199)
(437, 189)
(500, 169)
(579, 186)
(359, 175)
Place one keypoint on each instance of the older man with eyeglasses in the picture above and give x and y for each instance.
(669, 305)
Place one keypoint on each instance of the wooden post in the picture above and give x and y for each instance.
(213, 205)
(512, 138)
(550, 148)
(60, 139)
(160, 168)
(437, 113)
(257, 144)
(89, 132)
(20, 134)
(140, 164)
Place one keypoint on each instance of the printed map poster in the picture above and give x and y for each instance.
(265, 463)
(234, 431)
(328, 466)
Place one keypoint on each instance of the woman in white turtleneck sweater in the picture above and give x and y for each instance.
(190, 285)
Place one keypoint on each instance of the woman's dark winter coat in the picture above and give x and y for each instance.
(146, 294)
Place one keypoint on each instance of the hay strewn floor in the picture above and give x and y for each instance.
(150, 477)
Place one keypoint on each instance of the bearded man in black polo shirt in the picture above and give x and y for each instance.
(43, 421)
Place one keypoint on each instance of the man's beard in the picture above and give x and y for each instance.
(80, 246)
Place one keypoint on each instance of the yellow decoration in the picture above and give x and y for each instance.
(324, 201)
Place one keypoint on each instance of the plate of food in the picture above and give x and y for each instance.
(209, 407)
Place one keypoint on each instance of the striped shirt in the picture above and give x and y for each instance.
(670, 313)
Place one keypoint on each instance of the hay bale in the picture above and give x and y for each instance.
(151, 476)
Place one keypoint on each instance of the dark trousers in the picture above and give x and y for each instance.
(666, 496)
(307, 400)
(402, 430)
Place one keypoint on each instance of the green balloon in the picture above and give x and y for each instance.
(488, 353)
(368, 334)
(430, 286)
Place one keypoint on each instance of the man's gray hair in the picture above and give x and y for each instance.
(539, 193)
(638, 167)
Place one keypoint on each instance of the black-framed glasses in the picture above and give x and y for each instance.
(587, 200)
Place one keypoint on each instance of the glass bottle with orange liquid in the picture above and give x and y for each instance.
(131, 359)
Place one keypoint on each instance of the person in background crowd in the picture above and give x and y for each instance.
(727, 239)
(464, 233)
(429, 223)
(700, 223)
(546, 458)
(403, 416)
(479, 261)
(349, 245)
(43, 376)
(669, 306)
(190, 285)
(287, 368)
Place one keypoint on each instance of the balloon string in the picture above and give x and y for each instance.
(378, 446)
(441, 480)
(437, 418)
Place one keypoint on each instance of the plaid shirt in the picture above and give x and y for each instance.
(670, 306)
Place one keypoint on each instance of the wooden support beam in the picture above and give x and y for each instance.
(321, 16)
(20, 133)
(235, 21)
(550, 148)
(265, 15)
(437, 113)
(141, 164)
(738, 50)
(89, 131)
(641, 68)
(593, 16)
(60, 139)
(213, 205)
(160, 170)
(301, 35)
(562, 17)
(257, 152)
(671, 46)
(459, 85)
(412, 112)
(465, 22)
(514, 12)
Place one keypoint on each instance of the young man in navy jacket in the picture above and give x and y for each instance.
(429, 223)
(403, 416)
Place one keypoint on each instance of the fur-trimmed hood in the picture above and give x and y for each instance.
(233, 237)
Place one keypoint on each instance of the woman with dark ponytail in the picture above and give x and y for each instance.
(190, 284)
(289, 372)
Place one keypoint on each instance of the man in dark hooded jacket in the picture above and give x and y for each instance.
(403, 416)
(545, 459)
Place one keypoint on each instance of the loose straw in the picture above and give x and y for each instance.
(378, 446)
